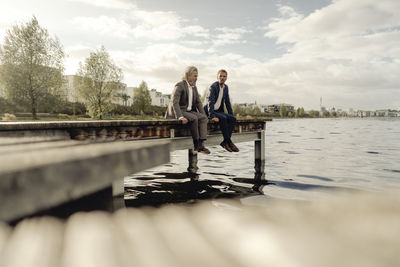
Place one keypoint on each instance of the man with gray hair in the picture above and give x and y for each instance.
(186, 106)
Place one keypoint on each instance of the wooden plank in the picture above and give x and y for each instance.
(178, 143)
(358, 229)
(40, 179)
(34, 242)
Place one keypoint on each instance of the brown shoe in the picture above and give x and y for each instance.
(233, 147)
(202, 149)
(226, 146)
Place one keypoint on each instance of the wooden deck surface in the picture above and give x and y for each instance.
(348, 230)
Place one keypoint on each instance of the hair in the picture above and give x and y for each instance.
(189, 70)
(222, 70)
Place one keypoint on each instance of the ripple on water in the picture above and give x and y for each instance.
(325, 163)
(315, 177)
(391, 170)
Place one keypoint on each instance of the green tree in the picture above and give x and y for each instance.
(256, 111)
(32, 65)
(283, 111)
(238, 110)
(124, 98)
(326, 113)
(142, 99)
(248, 110)
(313, 113)
(98, 82)
(301, 112)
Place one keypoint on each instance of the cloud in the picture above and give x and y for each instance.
(115, 4)
(75, 55)
(140, 24)
(103, 25)
(227, 36)
(347, 47)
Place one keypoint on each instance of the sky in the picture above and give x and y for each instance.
(277, 51)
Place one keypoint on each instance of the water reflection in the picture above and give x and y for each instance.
(186, 187)
(303, 159)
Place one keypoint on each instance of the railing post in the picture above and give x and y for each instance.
(192, 161)
(259, 152)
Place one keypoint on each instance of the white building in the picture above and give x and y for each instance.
(69, 89)
(159, 99)
(71, 93)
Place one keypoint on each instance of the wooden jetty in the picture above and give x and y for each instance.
(348, 230)
(47, 164)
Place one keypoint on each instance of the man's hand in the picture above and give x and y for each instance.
(215, 119)
(184, 120)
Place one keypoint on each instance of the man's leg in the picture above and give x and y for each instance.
(194, 127)
(203, 120)
(231, 126)
(223, 124)
(198, 127)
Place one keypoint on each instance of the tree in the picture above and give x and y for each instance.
(283, 111)
(326, 113)
(256, 111)
(301, 112)
(237, 109)
(32, 65)
(124, 98)
(98, 82)
(313, 113)
(248, 110)
(141, 98)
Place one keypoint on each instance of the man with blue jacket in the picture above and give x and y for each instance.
(217, 98)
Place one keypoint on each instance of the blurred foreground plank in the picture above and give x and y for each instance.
(347, 230)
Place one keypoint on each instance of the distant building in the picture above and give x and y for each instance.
(70, 92)
(159, 99)
(69, 89)
(276, 108)
(130, 91)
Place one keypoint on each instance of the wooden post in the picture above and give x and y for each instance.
(192, 161)
(118, 190)
(259, 152)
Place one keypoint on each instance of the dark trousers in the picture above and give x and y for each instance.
(226, 123)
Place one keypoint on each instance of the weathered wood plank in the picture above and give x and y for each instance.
(40, 179)
(345, 230)
(34, 242)
(114, 130)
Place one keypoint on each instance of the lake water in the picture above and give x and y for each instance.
(305, 159)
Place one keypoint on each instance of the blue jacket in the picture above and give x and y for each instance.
(212, 98)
